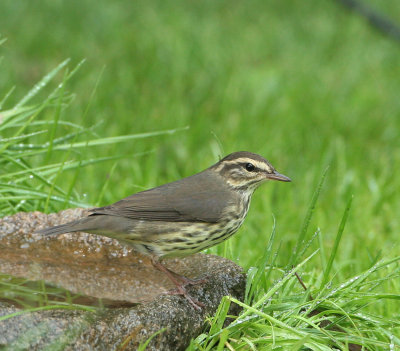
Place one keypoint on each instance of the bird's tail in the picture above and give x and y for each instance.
(61, 229)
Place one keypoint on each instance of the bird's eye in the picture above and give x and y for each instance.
(250, 167)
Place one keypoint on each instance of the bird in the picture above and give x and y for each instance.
(182, 217)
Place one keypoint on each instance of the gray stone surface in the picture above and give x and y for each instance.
(99, 267)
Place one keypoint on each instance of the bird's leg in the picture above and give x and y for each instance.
(186, 281)
(180, 285)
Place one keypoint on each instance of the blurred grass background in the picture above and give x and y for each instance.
(306, 84)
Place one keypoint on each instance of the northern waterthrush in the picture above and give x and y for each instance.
(182, 217)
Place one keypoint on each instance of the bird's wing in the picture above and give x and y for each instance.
(196, 198)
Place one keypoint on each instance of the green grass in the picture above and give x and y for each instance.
(306, 84)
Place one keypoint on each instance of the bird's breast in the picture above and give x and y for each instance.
(235, 214)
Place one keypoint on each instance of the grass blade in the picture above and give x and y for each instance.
(118, 139)
(295, 255)
(337, 241)
(41, 84)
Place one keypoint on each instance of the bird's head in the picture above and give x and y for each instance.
(245, 171)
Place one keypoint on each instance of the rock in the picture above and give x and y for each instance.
(130, 288)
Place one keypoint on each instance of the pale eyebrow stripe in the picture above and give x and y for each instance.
(258, 164)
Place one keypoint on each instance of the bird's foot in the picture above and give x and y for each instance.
(180, 282)
(180, 290)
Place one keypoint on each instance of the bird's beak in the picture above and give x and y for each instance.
(278, 176)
